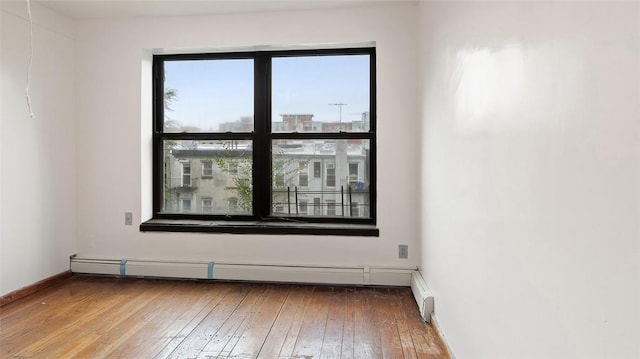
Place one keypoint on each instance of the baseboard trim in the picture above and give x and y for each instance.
(35, 287)
(436, 327)
(284, 273)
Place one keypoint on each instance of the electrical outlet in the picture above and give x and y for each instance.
(403, 251)
(128, 218)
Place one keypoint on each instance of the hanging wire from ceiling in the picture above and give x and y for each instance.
(31, 114)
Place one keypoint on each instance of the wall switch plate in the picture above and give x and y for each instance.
(128, 218)
(403, 251)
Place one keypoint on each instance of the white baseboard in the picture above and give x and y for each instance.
(436, 325)
(423, 296)
(355, 275)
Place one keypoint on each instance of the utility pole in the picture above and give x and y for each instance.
(339, 104)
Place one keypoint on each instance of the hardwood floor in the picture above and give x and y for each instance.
(98, 317)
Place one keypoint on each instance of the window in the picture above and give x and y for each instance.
(353, 173)
(186, 174)
(317, 207)
(331, 207)
(355, 210)
(303, 175)
(207, 205)
(331, 175)
(186, 205)
(303, 207)
(207, 169)
(263, 119)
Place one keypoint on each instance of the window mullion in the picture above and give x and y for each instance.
(262, 139)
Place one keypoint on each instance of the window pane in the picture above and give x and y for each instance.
(317, 207)
(207, 205)
(353, 172)
(320, 93)
(223, 187)
(186, 174)
(303, 174)
(208, 96)
(207, 168)
(355, 209)
(331, 175)
(331, 207)
(186, 205)
(335, 191)
(317, 169)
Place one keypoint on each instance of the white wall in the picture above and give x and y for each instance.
(530, 177)
(113, 178)
(38, 186)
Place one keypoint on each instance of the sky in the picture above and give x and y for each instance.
(210, 92)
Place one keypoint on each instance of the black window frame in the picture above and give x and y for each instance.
(262, 138)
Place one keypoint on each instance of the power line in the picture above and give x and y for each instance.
(339, 104)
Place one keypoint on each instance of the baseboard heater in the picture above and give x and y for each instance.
(356, 275)
(423, 296)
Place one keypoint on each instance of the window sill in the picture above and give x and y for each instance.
(257, 227)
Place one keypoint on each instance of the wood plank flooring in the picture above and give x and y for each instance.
(99, 317)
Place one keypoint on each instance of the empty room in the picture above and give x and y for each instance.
(319, 179)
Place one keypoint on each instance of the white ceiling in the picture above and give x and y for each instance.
(92, 9)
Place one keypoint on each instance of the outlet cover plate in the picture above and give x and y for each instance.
(403, 251)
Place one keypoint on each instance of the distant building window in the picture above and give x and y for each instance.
(186, 174)
(353, 173)
(317, 207)
(207, 169)
(355, 209)
(303, 175)
(186, 205)
(228, 118)
(303, 207)
(331, 207)
(207, 205)
(331, 175)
